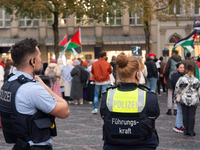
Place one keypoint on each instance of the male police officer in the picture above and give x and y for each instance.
(26, 105)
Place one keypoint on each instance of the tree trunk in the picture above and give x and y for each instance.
(56, 34)
(147, 37)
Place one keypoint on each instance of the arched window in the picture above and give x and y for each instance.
(172, 40)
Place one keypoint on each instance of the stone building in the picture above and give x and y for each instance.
(123, 32)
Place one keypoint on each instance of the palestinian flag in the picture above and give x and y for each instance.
(73, 45)
(197, 72)
(63, 42)
(187, 43)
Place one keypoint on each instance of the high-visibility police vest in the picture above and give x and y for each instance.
(16, 125)
(125, 108)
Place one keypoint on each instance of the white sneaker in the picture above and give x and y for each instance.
(95, 111)
(90, 102)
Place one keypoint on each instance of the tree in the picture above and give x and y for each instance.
(162, 10)
(44, 8)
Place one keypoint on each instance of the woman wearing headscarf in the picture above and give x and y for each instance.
(77, 85)
(68, 79)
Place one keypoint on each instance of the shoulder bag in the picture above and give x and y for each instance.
(178, 96)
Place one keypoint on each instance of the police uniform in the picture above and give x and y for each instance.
(129, 115)
(25, 105)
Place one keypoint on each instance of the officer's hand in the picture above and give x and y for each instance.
(39, 79)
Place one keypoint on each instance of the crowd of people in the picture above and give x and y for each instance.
(123, 80)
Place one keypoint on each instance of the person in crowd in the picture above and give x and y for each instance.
(53, 72)
(84, 66)
(189, 99)
(13, 69)
(77, 86)
(171, 66)
(114, 66)
(81, 61)
(7, 69)
(174, 76)
(27, 115)
(44, 67)
(198, 61)
(1, 76)
(128, 127)
(162, 65)
(68, 80)
(101, 71)
(91, 85)
(189, 61)
(2, 63)
(61, 80)
(157, 61)
(152, 76)
(143, 72)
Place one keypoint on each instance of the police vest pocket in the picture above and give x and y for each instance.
(43, 123)
(41, 130)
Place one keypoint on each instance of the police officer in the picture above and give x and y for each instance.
(129, 111)
(28, 107)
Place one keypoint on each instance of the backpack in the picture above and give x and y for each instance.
(173, 65)
(84, 75)
(52, 75)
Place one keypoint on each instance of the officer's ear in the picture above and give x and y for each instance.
(137, 75)
(32, 61)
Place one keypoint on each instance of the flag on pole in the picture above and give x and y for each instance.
(187, 43)
(197, 72)
(63, 42)
(73, 45)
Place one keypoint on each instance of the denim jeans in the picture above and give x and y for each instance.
(179, 116)
(97, 90)
(151, 83)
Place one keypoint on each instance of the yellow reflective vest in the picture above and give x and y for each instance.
(126, 101)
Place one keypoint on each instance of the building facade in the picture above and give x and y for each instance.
(122, 33)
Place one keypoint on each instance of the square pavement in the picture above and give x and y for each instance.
(83, 131)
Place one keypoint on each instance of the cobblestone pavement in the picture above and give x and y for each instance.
(83, 131)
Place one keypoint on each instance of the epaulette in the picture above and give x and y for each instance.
(22, 79)
(145, 88)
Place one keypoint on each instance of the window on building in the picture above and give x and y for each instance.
(112, 19)
(135, 19)
(27, 22)
(197, 7)
(62, 20)
(175, 8)
(5, 20)
(83, 20)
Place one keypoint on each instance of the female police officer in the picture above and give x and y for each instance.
(128, 111)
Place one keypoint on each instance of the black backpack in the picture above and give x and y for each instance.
(84, 75)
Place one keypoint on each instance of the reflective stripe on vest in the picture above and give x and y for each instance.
(126, 101)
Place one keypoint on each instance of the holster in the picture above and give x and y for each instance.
(21, 145)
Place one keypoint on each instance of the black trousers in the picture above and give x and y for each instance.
(158, 86)
(90, 92)
(189, 113)
(162, 83)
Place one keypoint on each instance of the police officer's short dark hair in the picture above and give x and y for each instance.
(102, 54)
(22, 49)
